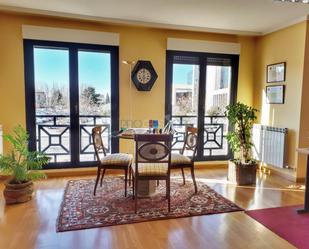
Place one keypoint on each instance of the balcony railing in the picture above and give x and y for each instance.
(214, 137)
(54, 132)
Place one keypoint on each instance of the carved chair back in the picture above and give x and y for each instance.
(190, 141)
(98, 142)
(153, 148)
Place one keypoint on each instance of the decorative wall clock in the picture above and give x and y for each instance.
(143, 75)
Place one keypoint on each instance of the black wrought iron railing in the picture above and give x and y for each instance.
(214, 134)
(53, 135)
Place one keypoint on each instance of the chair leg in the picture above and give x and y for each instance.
(136, 193)
(101, 182)
(125, 182)
(193, 178)
(158, 183)
(97, 180)
(133, 186)
(168, 187)
(183, 176)
(130, 174)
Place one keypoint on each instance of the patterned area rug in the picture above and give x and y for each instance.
(81, 210)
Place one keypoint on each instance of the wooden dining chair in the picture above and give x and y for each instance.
(120, 161)
(181, 161)
(152, 161)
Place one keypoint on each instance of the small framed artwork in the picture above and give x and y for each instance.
(275, 94)
(276, 72)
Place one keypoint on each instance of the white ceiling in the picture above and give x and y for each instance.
(227, 16)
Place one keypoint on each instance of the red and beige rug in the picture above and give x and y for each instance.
(81, 210)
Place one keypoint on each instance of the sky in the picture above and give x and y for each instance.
(180, 73)
(52, 65)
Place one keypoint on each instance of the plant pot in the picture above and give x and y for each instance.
(17, 193)
(242, 174)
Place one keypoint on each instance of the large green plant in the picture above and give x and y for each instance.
(20, 163)
(242, 118)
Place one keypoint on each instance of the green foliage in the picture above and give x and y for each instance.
(20, 163)
(242, 118)
(90, 94)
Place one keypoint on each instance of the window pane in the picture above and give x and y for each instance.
(185, 89)
(52, 105)
(218, 88)
(184, 98)
(94, 73)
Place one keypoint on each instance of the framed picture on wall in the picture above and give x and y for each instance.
(276, 72)
(275, 94)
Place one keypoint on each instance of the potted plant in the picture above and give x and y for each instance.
(242, 169)
(22, 166)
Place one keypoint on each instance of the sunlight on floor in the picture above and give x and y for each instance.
(206, 180)
(289, 188)
(269, 188)
(300, 187)
(296, 188)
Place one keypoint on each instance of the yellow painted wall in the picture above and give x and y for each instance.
(150, 44)
(135, 43)
(304, 115)
(286, 45)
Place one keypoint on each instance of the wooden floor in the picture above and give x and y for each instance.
(32, 225)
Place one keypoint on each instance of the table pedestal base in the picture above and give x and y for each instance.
(146, 188)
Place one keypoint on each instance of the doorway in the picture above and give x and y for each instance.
(198, 88)
(70, 88)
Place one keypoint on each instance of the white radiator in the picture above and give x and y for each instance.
(269, 144)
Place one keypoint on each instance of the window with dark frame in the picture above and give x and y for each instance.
(198, 88)
(70, 88)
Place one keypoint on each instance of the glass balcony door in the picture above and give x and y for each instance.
(70, 88)
(185, 93)
(218, 94)
(198, 88)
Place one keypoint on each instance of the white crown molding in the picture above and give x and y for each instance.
(286, 25)
(69, 35)
(203, 46)
(126, 22)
